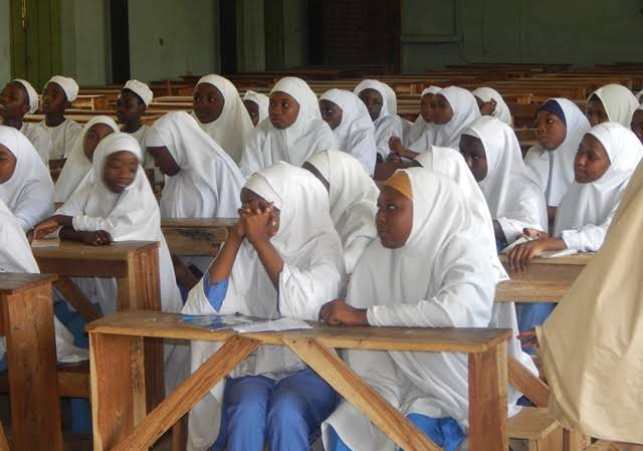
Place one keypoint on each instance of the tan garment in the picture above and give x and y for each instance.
(593, 342)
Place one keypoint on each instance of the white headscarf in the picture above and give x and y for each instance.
(554, 169)
(512, 195)
(312, 275)
(422, 133)
(388, 123)
(29, 193)
(140, 89)
(353, 201)
(309, 134)
(262, 102)
(356, 132)
(618, 101)
(67, 84)
(465, 112)
(502, 110)
(32, 95)
(77, 165)
(439, 278)
(208, 184)
(233, 126)
(586, 210)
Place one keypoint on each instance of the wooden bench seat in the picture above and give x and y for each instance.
(535, 427)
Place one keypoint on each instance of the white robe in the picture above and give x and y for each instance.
(439, 278)
(388, 123)
(465, 112)
(356, 133)
(39, 138)
(618, 101)
(62, 138)
(587, 209)
(312, 275)
(232, 128)
(262, 101)
(502, 110)
(352, 199)
(554, 169)
(309, 134)
(422, 133)
(77, 164)
(512, 195)
(29, 193)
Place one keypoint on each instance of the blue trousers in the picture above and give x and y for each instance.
(286, 413)
(445, 432)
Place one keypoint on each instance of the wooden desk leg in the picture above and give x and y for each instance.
(529, 384)
(488, 400)
(191, 391)
(118, 388)
(353, 388)
(4, 445)
(31, 356)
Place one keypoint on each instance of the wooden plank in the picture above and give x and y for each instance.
(488, 399)
(529, 384)
(4, 445)
(77, 299)
(353, 388)
(175, 406)
(575, 441)
(196, 237)
(532, 423)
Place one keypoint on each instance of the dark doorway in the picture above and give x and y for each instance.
(228, 36)
(120, 40)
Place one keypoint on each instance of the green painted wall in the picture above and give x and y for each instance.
(5, 43)
(436, 33)
(251, 47)
(169, 38)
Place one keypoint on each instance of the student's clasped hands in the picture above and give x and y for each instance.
(256, 225)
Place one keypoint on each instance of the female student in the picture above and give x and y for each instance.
(637, 123)
(79, 162)
(560, 125)
(421, 134)
(17, 99)
(294, 132)
(491, 103)
(347, 115)
(427, 269)
(454, 109)
(352, 199)
(222, 114)
(58, 95)
(611, 103)
(132, 102)
(282, 259)
(25, 185)
(492, 152)
(257, 106)
(381, 103)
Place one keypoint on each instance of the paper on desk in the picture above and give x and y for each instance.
(561, 253)
(273, 326)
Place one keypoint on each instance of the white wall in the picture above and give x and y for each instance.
(169, 38)
(5, 43)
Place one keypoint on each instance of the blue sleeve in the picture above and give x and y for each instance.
(215, 293)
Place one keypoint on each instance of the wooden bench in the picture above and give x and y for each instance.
(196, 236)
(118, 382)
(534, 426)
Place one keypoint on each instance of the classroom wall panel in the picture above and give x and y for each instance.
(5, 42)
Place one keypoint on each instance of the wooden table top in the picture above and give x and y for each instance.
(13, 282)
(168, 325)
(198, 222)
(580, 259)
(77, 251)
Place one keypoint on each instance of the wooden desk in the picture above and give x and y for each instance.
(545, 280)
(118, 382)
(196, 236)
(27, 322)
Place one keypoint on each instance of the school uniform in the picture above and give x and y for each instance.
(262, 101)
(272, 396)
(143, 91)
(34, 133)
(465, 112)
(421, 135)
(618, 101)
(502, 110)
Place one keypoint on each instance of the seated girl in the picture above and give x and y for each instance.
(257, 106)
(611, 103)
(283, 258)
(491, 103)
(347, 115)
(25, 185)
(427, 269)
(294, 132)
(454, 109)
(353, 200)
(492, 152)
(221, 114)
(637, 123)
(79, 162)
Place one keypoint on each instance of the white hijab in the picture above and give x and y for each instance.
(502, 110)
(356, 132)
(262, 101)
(465, 112)
(32, 95)
(554, 169)
(77, 165)
(309, 134)
(618, 101)
(512, 195)
(233, 126)
(593, 203)
(208, 184)
(353, 201)
(439, 278)
(29, 193)
(312, 275)
(422, 133)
